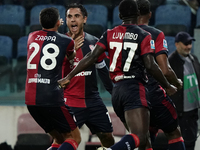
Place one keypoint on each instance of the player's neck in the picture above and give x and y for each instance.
(143, 20)
(76, 35)
(51, 29)
(129, 22)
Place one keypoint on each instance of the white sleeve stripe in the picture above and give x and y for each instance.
(100, 65)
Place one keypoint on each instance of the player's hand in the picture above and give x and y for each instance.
(78, 41)
(171, 90)
(61, 22)
(62, 83)
(179, 84)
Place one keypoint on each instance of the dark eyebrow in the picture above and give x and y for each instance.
(69, 15)
(77, 15)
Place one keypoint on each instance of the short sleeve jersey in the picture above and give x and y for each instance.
(46, 53)
(83, 87)
(126, 44)
(160, 43)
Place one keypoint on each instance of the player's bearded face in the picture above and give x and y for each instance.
(75, 21)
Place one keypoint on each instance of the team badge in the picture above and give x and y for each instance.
(164, 43)
(91, 47)
(152, 44)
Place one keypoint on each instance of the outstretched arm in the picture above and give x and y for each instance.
(87, 61)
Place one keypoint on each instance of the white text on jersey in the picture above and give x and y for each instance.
(86, 73)
(128, 35)
(39, 80)
(47, 38)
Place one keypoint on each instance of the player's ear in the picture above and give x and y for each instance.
(58, 23)
(150, 14)
(85, 20)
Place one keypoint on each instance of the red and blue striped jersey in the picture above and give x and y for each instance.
(82, 90)
(160, 48)
(46, 53)
(126, 44)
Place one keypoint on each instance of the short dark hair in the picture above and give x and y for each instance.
(128, 8)
(77, 5)
(49, 17)
(144, 6)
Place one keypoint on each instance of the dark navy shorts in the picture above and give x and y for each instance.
(163, 113)
(58, 118)
(127, 95)
(96, 118)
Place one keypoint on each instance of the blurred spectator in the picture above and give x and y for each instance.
(187, 100)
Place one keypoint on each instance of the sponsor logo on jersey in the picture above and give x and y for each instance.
(39, 80)
(84, 73)
(164, 43)
(152, 44)
(121, 77)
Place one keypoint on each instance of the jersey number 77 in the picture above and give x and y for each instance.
(127, 45)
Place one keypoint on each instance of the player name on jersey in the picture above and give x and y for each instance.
(127, 35)
(47, 38)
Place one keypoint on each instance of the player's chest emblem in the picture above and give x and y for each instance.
(91, 47)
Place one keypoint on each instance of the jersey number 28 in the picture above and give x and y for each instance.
(46, 55)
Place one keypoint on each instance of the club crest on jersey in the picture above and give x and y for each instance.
(91, 47)
(37, 75)
(152, 44)
(164, 43)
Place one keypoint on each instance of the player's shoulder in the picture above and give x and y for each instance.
(90, 38)
(150, 29)
(43, 33)
(155, 31)
(64, 36)
(35, 33)
(141, 32)
(119, 28)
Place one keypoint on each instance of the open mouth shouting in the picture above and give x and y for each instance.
(74, 28)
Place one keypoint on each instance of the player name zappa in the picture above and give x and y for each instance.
(47, 38)
(39, 80)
